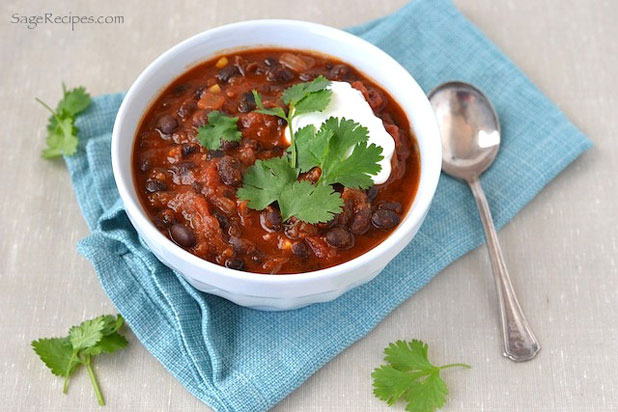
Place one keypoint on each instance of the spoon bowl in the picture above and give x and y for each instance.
(469, 126)
(470, 133)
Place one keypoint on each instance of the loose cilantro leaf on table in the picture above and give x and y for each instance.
(274, 180)
(92, 337)
(410, 375)
(220, 127)
(62, 134)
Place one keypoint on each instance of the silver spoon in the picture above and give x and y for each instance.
(470, 140)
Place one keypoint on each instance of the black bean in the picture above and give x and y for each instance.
(384, 219)
(215, 154)
(197, 94)
(371, 194)
(230, 145)
(281, 122)
(182, 235)
(270, 219)
(258, 256)
(155, 185)
(300, 249)
(247, 103)
(305, 77)
(270, 62)
(235, 263)
(180, 89)
(394, 206)
(199, 118)
(340, 71)
(340, 237)
(167, 123)
(187, 149)
(230, 171)
(242, 246)
(186, 109)
(144, 165)
(361, 222)
(224, 222)
(226, 73)
(280, 75)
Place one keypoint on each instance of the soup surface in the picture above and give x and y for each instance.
(190, 191)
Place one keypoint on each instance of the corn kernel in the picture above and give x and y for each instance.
(214, 89)
(221, 63)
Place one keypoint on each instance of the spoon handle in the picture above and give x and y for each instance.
(520, 344)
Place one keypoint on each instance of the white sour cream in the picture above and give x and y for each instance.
(350, 103)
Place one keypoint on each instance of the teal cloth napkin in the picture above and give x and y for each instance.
(237, 359)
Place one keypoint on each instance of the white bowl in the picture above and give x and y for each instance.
(277, 292)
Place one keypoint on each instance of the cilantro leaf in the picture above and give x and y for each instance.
(275, 111)
(410, 375)
(108, 344)
(61, 132)
(74, 101)
(274, 180)
(313, 102)
(87, 334)
(340, 150)
(55, 353)
(311, 147)
(310, 203)
(265, 181)
(294, 94)
(219, 127)
(61, 139)
(90, 338)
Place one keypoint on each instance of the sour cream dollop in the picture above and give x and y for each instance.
(350, 103)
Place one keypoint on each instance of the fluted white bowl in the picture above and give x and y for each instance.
(277, 292)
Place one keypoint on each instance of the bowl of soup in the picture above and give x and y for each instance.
(276, 163)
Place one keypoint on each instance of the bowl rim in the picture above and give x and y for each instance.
(428, 181)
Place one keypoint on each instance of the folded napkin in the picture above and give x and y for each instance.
(237, 359)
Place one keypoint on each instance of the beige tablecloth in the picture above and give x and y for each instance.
(562, 250)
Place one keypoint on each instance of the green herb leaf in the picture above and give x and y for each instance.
(220, 127)
(265, 181)
(274, 180)
(275, 111)
(87, 334)
(410, 375)
(74, 101)
(294, 94)
(340, 150)
(62, 134)
(55, 353)
(90, 338)
(309, 203)
(313, 102)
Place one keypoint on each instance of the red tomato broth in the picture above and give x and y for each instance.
(179, 182)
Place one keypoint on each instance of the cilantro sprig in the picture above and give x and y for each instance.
(300, 98)
(341, 152)
(61, 131)
(91, 338)
(274, 180)
(410, 375)
(219, 127)
(339, 149)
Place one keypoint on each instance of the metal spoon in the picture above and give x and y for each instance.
(470, 140)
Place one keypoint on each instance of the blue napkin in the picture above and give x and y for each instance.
(237, 359)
